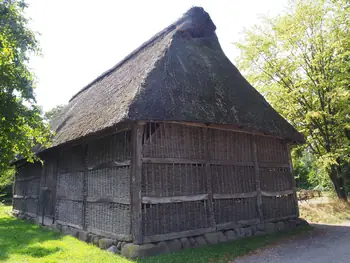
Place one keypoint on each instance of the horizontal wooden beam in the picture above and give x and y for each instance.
(108, 199)
(238, 195)
(281, 218)
(69, 198)
(193, 161)
(68, 224)
(110, 165)
(173, 199)
(29, 178)
(273, 165)
(169, 236)
(25, 196)
(241, 223)
(120, 237)
(278, 193)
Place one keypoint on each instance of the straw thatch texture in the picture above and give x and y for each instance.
(180, 74)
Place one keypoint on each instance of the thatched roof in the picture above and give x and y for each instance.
(181, 74)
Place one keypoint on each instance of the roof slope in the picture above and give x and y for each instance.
(181, 74)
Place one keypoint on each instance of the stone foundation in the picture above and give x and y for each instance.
(130, 250)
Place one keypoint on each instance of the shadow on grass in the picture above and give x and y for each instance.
(21, 237)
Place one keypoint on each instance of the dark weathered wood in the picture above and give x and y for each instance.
(229, 162)
(257, 178)
(274, 165)
(25, 196)
(289, 149)
(193, 161)
(277, 193)
(282, 218)
(120, 237)
(237, 195)
(68, 224)
(69, 198)
(209, 178)
(108, 199)
(173, 199)
(169, 236)
(136, 170)
(241, 223)
(110, 165)
(29, 178)
(85, 185)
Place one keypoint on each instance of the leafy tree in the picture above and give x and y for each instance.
(54, 112)
(21, 123)
(300, 61)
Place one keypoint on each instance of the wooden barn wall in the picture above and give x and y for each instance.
(197, 179)
(27, 188)
(94, 186)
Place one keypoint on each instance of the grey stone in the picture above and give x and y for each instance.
(200, 240)
(301, 222)
(213, 238)
(280, 226)
(72, 231)
(239, 232)
(105, 243)
(94, 239)
(185, 242)
(231, 235)
(248, 231)
(292, 224)
(119, 245)
(174, 245)
(260, 233)
(84, 236)
(254, 228)
(123, 243)
(113, 249)
(192, 241)
(260, 227)
(270, 228)
(222, 237)
(131, 250)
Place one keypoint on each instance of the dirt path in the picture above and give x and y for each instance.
(325, 244)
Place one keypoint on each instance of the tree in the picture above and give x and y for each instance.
(300, 61)
(21, 123)
(54, 113)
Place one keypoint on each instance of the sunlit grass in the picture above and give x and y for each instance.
(21, 242)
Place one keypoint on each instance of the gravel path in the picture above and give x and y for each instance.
(325, 244)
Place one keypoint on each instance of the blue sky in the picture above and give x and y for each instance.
(82, 39)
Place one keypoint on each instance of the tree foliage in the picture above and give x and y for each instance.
(54, 113)
(21, 123)
(300, 61)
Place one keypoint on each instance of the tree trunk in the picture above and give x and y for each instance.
(338, 183)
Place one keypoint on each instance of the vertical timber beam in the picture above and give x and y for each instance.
(136, 170)
(85, 177)
(209, 178)
(293, 183)
(257, 177)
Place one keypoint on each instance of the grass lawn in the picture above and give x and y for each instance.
(331, 211)
(22, 242)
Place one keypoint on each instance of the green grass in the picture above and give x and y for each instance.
(21, 241)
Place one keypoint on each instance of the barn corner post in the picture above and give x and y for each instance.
(257, 177)
(137, 130)
(293, 183)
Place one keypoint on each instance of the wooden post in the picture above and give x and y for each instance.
(85, 177)
(257, 178)
(292, 178)
(136, 170)
(209, 178)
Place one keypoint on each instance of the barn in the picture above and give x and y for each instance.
(172, 143)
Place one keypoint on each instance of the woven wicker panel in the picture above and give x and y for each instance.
(173, 141)
(276, 207)
(232, 179)
(272, 150)
(174, 217)
(31, 205)
(275, 179)
(70, 212)
(110, 218)
(116, 147)
(109, 182)
(70, 184)
(228, 145)
(233, 210)
(173, 179)
(72, 160)
(33, 186)
(19, 204)
(20, 188)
